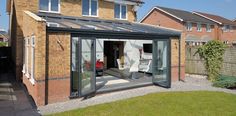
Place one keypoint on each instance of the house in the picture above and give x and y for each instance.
(77, 48)
(195, 28)
(226, 28)
(3, 36)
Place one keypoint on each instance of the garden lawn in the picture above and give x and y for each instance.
(197, 103)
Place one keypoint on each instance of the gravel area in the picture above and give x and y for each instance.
(191, 83)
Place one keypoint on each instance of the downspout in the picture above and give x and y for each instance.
(180, 59)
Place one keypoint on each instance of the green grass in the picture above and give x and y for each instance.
(201, 103)
(2, 44)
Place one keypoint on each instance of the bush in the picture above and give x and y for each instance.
(225, 82)
(212, 53)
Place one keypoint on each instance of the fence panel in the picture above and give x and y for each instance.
(195, 65)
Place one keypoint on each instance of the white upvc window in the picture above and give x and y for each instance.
(32, 80)
(199, 27)
(90, 8)
(120, 11)
(226, 28)
(189, 26)
(208, 28)
(27, 45)
(24, 55)
(52, 6)
(231, 28)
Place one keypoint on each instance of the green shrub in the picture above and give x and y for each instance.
(225, 82)
(212, 53)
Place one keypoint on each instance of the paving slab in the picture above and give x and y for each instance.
(13, 99)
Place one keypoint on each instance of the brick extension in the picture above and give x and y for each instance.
(52, 59)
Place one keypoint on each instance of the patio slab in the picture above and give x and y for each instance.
(13, 99)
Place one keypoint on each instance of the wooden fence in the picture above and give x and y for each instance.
(195, 65)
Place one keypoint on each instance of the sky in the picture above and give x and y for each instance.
(225, 8)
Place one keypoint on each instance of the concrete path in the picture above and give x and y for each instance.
(13, 99)
(190, 84)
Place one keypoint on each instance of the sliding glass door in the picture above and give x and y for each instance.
(161, 63)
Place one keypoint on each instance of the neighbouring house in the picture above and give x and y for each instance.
(196, 29)
(3, 36)
(234, 20)
(226, 28)
(74, 48)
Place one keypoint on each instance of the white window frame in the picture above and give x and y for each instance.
(52, 23)
(208, 28)
(90, 9)
(32, 80)
(199, 27)
(231, 28)
(120, 18)
(24, 56)
(49, 7)
(189, 26)
(225, 29)
(27, 57)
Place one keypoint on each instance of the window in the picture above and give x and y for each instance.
(120, 11)
(189, 26)
(199, 27)
(51, 24)
(231, 29)
(49, 6)
(90, 7)
(26, 57)
(226, 28)
(32, 59)
(208, 28)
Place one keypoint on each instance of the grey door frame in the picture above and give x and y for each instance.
(155, 54)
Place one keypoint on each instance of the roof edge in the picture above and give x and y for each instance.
(199, 14)
(157, 8)
(34, 16)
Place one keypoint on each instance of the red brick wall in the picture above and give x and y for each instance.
(159, 18)
(227, 36)
(201, 34)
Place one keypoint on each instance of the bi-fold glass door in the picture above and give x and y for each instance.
(161, 63)
(83, 66)
(83, 54)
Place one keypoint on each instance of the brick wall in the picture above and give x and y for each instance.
(227, 36)
(158, 18)
(68, 8)
(175, 56)
(52, 63)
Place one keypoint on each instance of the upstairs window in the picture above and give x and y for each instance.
(226, 28)
(189, 26)
(208, 28)
(90, 7)
(120, 11)
(231, 28)
(199, 27)
(49, 6)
